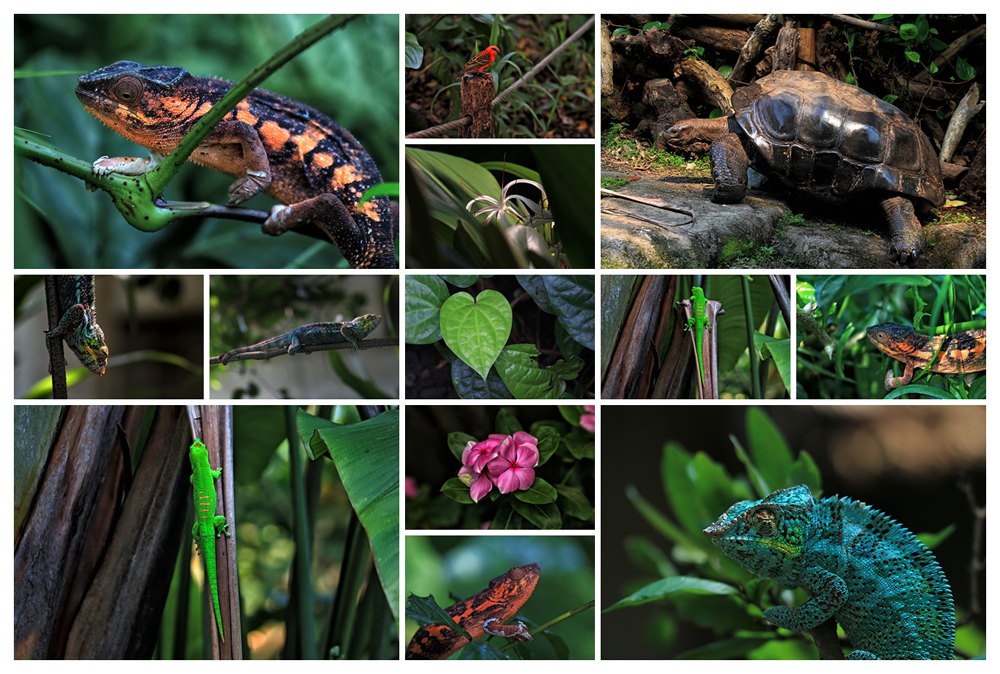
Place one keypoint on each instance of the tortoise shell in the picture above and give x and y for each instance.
(834, 140)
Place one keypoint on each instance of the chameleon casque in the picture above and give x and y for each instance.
(857, 564)
(481, 614)
(269, 143)
(352, 331)
(961, 353)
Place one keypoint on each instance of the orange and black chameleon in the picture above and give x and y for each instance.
(481, 614)
(961, 353)
(268, 142)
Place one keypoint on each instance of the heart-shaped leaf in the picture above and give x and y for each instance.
(476, 329)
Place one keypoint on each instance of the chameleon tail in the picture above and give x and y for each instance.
(213, 584)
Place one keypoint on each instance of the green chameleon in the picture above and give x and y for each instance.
(207, 524)
(699, 322)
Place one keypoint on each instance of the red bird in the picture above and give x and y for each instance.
(480, 61)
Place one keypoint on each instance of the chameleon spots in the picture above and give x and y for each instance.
(269, 143)
(857, 565)
(480, 615)
(961, 353)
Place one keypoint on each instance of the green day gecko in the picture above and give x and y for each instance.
(207, 524)
(857, 565)
(698, 322)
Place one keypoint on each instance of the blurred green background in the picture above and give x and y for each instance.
(351, 76)
(464, 565)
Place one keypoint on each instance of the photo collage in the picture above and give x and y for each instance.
(770, 444)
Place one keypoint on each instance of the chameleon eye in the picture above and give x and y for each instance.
(516, 573)
(763, 522)
(127, 89)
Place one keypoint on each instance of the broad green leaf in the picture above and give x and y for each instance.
(457, 442)
(540, 492)
(768, 448)
(367, 458)
(544, 516)
(523, 377)
(470, 386)
(507, 423)
(780, 349)
(573, 503)
(424, 297)
(457, 490)
(476, 329)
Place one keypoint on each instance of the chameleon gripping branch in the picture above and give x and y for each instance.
(313, 334)
(77, 311)
(480, 615)
(857, 565)
(269, 143)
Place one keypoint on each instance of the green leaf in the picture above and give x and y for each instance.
(367, 457)
(666, 586)
(476, 329)
(457, 442)
(964, 70)
(424, 297)
(912, 55)
(457, 490)
(460, 280)
(413, 53)
(908, 31)
(426, 611)
(522, 376)
(545, 516)
(569, 297)
(539, 492)
(507, 423)
(470, 386)
(768, 448)
(574, 503)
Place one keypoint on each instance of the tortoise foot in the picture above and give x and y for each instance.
(906, 234)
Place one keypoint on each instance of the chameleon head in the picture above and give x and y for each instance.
(127, 95)
(880, 335)
(765, 536)
(92, 351)
(367, 323)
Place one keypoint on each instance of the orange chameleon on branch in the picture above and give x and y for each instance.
(480, 61)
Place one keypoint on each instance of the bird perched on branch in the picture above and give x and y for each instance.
(480, 61)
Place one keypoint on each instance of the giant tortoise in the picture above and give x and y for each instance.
(828, 139)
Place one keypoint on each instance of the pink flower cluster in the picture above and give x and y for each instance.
(506, 461)
(588, 420)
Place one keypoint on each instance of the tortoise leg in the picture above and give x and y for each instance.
(906, 234)
(729, 169)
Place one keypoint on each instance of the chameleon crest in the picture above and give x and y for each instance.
(857, 564)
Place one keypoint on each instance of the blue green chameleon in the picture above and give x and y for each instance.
(856, 563)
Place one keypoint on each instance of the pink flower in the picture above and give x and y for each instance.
(477, 454)
(514, 467)
(410, 487)
(589, 419)
(479, 483)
